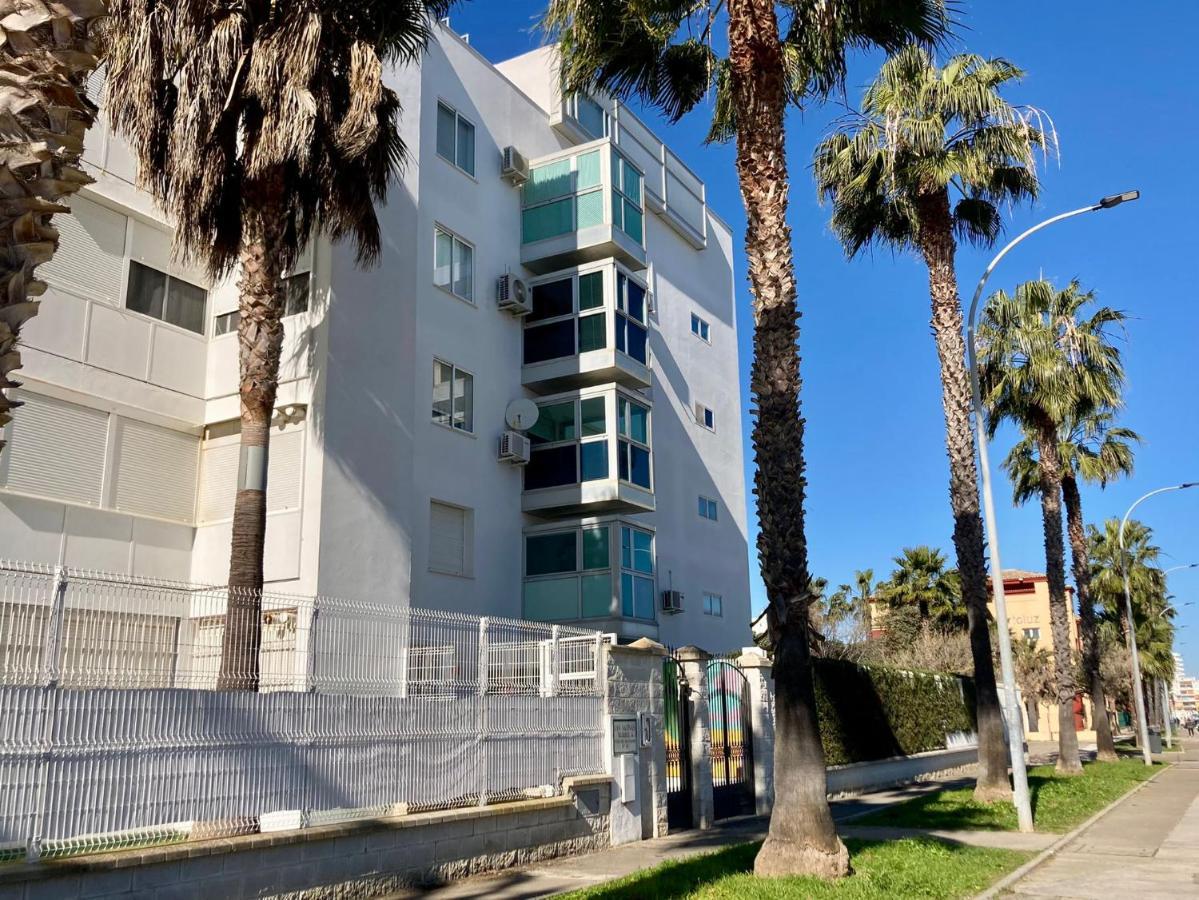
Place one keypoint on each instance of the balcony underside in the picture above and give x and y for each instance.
(586, 370)
(577, 248)
(590, 499)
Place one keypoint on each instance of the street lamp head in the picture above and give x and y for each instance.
(1116, 199)
(1189, 484)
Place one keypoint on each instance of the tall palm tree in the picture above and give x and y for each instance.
(1095, 450)
(922, 580)
(1043, 365)
(46, 53)
(663, 51)
(256, 125)
(927, 162)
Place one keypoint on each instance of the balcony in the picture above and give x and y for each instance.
(582, 205)
(590, 455)
(596, 572)
(589, 326)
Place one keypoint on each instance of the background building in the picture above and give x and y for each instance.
(387, 479)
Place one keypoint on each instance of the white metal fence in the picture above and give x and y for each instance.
(113, 732)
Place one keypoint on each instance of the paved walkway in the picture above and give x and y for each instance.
(1147, 847)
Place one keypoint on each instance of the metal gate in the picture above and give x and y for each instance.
(677, 725)
(732, 740)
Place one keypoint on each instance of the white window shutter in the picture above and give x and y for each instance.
(218, 481)
(285, 470)
(56, 450)
(447, 539)
(91, 256)
(156, 471)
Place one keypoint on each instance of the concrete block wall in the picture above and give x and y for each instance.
(635, 686)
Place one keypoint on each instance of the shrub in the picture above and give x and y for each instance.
(867, 712)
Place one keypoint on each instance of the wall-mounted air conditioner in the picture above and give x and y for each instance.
(515, 448)
(512, 295)
(672, 601)
(515, 168)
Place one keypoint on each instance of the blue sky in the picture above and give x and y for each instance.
(1121, 88)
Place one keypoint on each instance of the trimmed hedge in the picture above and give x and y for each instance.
(869, 713)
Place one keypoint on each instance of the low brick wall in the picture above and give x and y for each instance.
(355, 859)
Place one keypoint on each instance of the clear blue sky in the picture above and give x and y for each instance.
(1121, 87)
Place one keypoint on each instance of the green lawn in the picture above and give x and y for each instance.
(916, 869)
(1058, 802)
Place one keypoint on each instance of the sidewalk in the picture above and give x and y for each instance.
(1147, 847)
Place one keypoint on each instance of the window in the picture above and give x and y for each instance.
(636, 573)
(631, 333)
(626, 198)
(454, 265)
(590, 116)
(161, 296)
(713, 605)
(453, 397)
(570, 444)
(450, 539)
(562, 196)
(295, 301)
(707, 508)
(568, 574)
(226, 323)
(455, 139)
(633, 445)
(700, 328)
(704, 416)
(568, 318)
(1032, 634)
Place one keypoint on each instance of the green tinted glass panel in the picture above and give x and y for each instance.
(591, 290)
(643, 551)
(546, 221)
(626, 594)
(590, 209)
(593, 332)
(555, 422)
(552, 600)
(597, 595)
(593, 416)
(635, 423)
(595, 548)
(593, 461)
(643, 598)
(547, 554)
(626, 548)
(588, 170)
(631, 185)
(548, 181)
(632, 221)
(617, 206)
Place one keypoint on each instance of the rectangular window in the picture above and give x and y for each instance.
(453, 264)
(626, 198)
(296, 289)
(590, 116)
(225, 323)
(551, 330)
(707, 508)
(1032, 634)
(633, 446)
(636, 573)
(449, 539)
(562, 196)
(570, 574)
(455, 138)
(631, 332)
(704, 416)
(570, 444)
(453, 397)
(713, 605)
(700, 328)
(166, 298)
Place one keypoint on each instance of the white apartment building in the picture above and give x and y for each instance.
(399, 383)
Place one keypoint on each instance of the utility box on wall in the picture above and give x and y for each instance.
(626, 773)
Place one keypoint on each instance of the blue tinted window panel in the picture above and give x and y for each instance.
(593, 460)
(552, 467)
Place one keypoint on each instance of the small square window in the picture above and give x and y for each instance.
(453, 397)
(700, 328)
(226, 323)
(1032, 634)
(707, 508)
(296, 288)
(713, 605)
(704, 416)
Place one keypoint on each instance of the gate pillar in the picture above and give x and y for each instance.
(694, 662)
(756, 665)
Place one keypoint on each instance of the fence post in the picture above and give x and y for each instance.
(51, 672)
(482, 701)
(555, 671)
(756, 666)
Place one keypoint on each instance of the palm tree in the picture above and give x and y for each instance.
(1042, 366)
(47, 53)
(663, 51)
(257, 125)
(1094, 449)
(922, 581)
(927, 162)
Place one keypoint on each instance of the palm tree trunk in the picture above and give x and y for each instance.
(802, 838)
(1081, 565)
(45, 57)
(938, 248)
(260, 344)
(1050, 468)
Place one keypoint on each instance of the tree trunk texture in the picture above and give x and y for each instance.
(802, 839)
(1050, 466)
(45, 57)
(260, 345)
(938, 249)
(1081, 567)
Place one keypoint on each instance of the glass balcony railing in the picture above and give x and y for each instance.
(581, 205)
(589, 325)
(591, 452)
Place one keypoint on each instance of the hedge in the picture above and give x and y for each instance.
(870, 713)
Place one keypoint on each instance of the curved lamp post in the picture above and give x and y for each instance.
(1015, 721)
(1138, 699)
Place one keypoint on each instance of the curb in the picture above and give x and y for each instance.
(1052, 850)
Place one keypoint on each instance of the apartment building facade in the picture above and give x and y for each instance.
(530, 408)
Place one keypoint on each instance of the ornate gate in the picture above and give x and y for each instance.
(732, 740)
(677, 722)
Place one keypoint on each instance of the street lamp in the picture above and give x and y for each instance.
(1015, 721)
(1142, 722)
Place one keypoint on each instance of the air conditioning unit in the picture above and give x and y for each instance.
(512, 295)
(515, 448)
(515, 168)
(672, 601)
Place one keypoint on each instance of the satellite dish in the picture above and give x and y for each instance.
(521, 415)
